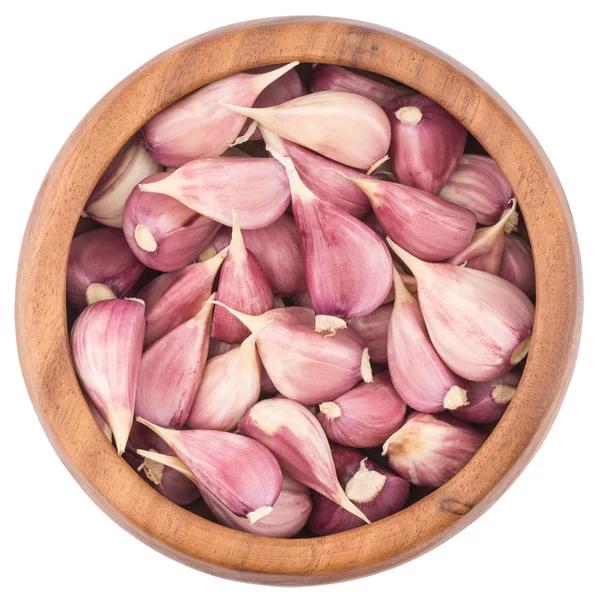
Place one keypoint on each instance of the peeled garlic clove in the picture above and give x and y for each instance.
(240, 472)
(106, 342)
(485, 250)
(516, 265)
(373, 329)
(198, 126)
(427, 142)
(365, 416)
(256, 187)
(347, 128)
(171, 371)
(377, 491)
(163, 233)
(304, 365)
(131, 164)
(478, 184)
(336, 78)
(428, 450)
(479, 323)
(244, 286)
(348, 268)
(489, 399)
(429, 227)
(299, 443)
(418, 373)
(101, 266)
(175, 297)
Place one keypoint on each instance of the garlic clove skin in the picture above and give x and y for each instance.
(373, 329)
(131, 164)
(171, 371)
(427, 142)
(428, 450)
(365, 416)
(256, 187)
(377, 491)
(426, 225)
(517, 265)
(299, 443)
(478, 184)
(240, 472)
(163, 233)
(244, 286)
(106, 343)
(418, 373)
(198, 126)
(344, 127)
(173, 298)
(101, 266)
(480, 324)
(489, 399)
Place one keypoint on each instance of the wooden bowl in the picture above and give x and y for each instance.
(41, 305)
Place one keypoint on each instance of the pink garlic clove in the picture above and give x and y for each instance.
(427, 142)
(479, 324)
(429, 450)
(373, 329)
(365, 416)
(418, 373)
(131, 164)
(171, 371)
(163, 233)
(348, 268)
(489, 399)
(240, 472)
(304, 365)
(198, 126)
(410, 283)
(101, 266)
(517, 265)
(106, 342)
(175, 297)
(335, 78)
(244, 286)
(299, 443)
(485, 250)
(478, 184)
(429, 227)
(377, 491)
(256, 187)
(344, 127)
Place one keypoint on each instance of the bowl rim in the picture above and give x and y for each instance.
(41, 323)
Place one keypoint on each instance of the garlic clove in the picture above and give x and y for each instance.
(244, 286)
(100, 267)
(171, 371)
(479, 323)
(377, 491)
(106, 343)
(478, 184)
(173, 298)
(428, 450)
(256, 187)
(365, 416)
(299, 443)
(417, 371)
(131, 164)
(427, 142)
(347, 128)
(517, 265)
(429, 227)
(240, 472)
(267, 387)
(163, 233)
(373, 329)
(198, 126)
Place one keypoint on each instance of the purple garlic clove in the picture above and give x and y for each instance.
(516, 265)
(373, 329)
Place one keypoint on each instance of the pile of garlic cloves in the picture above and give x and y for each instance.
(297, 303)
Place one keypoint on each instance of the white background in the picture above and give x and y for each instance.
(540, 539)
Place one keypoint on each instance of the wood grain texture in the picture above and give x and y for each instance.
(41, 311)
